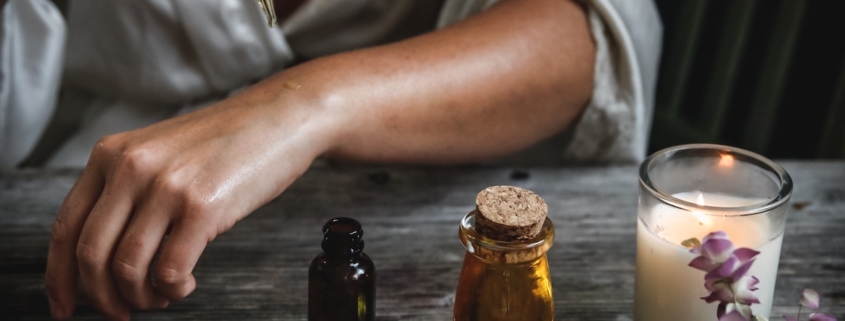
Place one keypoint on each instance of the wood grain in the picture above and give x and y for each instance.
(258, 270)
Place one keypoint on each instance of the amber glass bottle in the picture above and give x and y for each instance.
(341, 280)
(504, 281)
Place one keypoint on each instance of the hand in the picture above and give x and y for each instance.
(190, 178)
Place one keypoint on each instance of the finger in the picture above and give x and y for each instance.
(94, 251)
(136, 250)
(61, 273)
(181, 251)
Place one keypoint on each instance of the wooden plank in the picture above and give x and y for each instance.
(258, 270)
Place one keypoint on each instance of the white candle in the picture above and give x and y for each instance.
(667, 288)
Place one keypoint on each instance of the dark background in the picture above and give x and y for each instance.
(768, 76)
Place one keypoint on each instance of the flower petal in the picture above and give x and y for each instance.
(740, 272)
(733, 316)
(747, 297)
(752, 283)
(744, 254)
(717, 249)
(703, 263)
(715, 235)
(821, 317)
(744, 310)
(720, 311)
(695, 250)
(810, 298)
(724, 270)
(716, 284)
(721, 295)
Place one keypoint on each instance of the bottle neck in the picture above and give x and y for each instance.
(507, 260)
(342, 238)
(505, 252)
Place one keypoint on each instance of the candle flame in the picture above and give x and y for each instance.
(702, 218)
(727, 160)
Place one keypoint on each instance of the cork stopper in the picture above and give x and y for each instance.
(508, 213)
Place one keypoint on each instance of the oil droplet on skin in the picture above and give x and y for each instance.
(292, 85)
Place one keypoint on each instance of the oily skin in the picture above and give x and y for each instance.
(482, 88)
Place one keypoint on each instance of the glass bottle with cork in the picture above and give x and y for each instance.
(505, 275)
(341, 280)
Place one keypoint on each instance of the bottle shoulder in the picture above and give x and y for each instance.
(358, 266)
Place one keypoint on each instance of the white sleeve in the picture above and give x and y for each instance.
(615, 125)
(32, 42)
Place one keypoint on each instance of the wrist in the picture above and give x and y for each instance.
(299, 113)
(326, 105)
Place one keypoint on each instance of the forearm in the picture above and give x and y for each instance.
(485, 87)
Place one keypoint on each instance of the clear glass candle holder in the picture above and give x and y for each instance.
(689, 191)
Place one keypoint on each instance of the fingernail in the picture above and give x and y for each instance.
(56, 309)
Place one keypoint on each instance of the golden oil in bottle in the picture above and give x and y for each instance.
(504, 280)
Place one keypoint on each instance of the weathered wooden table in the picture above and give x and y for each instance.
(258, 270)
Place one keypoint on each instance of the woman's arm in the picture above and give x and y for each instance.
(484, 87)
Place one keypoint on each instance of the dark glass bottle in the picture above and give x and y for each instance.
(341, 280)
